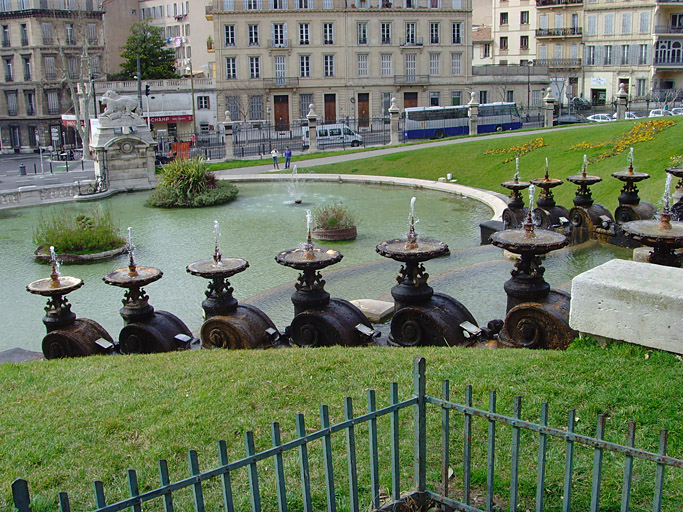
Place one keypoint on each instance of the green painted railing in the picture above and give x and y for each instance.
(419, 491)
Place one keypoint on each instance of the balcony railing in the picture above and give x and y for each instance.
(669, 62)
(48, 41)
(279, 43)
(411, 41)
(558, 32)
(281, 82)
(553, 3)
(559, 63)
(497, 70)
(668, 29)
(411, 79)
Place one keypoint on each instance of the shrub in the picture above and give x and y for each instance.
(333, 216)
(78, 234)
(189, 183)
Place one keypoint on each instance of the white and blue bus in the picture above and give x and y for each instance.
(439, 122)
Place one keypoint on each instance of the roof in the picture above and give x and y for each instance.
(482, 35)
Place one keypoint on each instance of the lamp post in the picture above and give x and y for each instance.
(268, 123)
(528, 89)
(194, 116)
(94, 94)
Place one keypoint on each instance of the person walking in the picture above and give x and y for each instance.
(274, 154)
(288, 156)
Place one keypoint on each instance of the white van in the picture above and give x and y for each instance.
(334, 134)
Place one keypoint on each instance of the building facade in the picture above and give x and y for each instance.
(514, 23)
(667, 80)
(348, 58)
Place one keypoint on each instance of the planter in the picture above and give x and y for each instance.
(42, 254)
(334, 234)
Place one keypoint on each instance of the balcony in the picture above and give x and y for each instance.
(559, 63)
(279, 43)
(669, 62)
(281, 82)
(411, 41)
(558, 32)
(411, 79)
(668, 29)
(557, 3)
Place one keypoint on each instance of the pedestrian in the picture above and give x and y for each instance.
(288, 156)
(274, 155)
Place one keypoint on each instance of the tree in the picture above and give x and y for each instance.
(156, 61)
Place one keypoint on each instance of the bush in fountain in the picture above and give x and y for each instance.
(333, 216)
(73, 233)
(190, 184)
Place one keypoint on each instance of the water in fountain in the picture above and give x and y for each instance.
(630, 159)
(131, 253)
(55, 264)
(217, 256)
(308, 244)
(585, 165)
(295, 186)
(411, 237)
(666, 198)
(532, 191)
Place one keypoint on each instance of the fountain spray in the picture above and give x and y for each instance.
(411, 237)
(55, 267)
(132, 270)
(630, 160)
(665, 214)
(217, 256)
(585, 165)
(529, 224)
(308, 246)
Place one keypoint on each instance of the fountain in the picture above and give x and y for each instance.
(295, 186)
(548, 215)
(320, 320)
(536, 316)
(677, 209)
(67, 336)
(663, 235)
(422, 317)
(514, 214)
(229, 324)
(630, 206)
(588, 220)
(145, 330)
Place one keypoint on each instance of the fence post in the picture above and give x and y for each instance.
(312, 131)
(393, 114)
(20, 495)
(548, 109)
(473, 113)
(229, 148)
(420, 417)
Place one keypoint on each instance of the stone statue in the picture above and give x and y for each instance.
(117, 106)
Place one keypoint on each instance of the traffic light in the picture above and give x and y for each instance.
(147, 90)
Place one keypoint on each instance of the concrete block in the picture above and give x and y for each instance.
(630, 301)
(375, 310)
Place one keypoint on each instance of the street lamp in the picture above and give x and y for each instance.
(194, 116)
(94, 94)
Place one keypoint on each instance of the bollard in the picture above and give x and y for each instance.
(82, 165)
(35, 169)
(51, 167)
(22, 170)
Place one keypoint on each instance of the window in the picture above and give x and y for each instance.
(435, 33)
(231, 68)
(5, 36)
(456, 33)
(279, 4)
(328, 65)
(411, 64)
(46, 29)
(362, 32)
(12, 107)
(510, 96)
(385, 29)
(590, 55)
(641, 87)
(92, 34)
(232, 107)
(251, 5)
(456, 63)
(254, 67)
(624, 54)
(70, 35)
(385, 69)
(386, 103)
(456, 98)
(626, 23)
(486, 51)
(645, 22)
(9, 69)
(609, 24)
(503, 18)
(328, 33)
(642, 54)
(434, 99)
(535, 98)
(23, 30)
(483, 96)
(304, 34)
(434, 64)
(278, 32)
(304, 4)
(305, 66)
(328, 4)
(411, 33)
(304, 101)
(27, 68)
(592, 24)
(363, 64)
(52, 102)
(503, 43)
(256, 107)
(203, 102)
(524, 42)
(252, 30)
(50, 68)
(229, 31)
(524, 18)
(73, 67)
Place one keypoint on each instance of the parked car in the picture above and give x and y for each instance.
(569, 119)
(600, 118)
(579, 103)
(627, 115)
(659, 112)
(334, 134)
(678, 111)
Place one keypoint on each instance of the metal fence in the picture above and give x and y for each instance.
(444, 493)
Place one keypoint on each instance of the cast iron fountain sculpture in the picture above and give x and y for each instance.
(588, 220)
(422, 317)
(514, 214)
(536, 316)
(548, 214)
(145, 330)
(663, 235)
(229, 324)
(67, 336)
(677, 209)
(320, 320)
(630, 206)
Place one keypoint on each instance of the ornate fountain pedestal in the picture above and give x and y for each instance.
(589, 221)
(662, 235)
(68, 336)
(145, 330)
(422, 317)
(228, 324)
(319, 320)
(537, 316)
(515, 213)
(630, 206)
(677, 208)
(548, 214)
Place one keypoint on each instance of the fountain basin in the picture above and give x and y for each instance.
(209, 269)
(314, 259)
(518, 241)
(48, 287)
(398, 249)
(123, 277)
